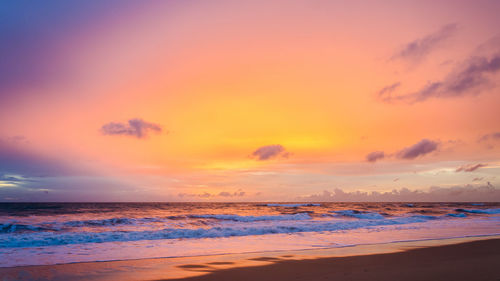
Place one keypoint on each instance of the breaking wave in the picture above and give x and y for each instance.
(299, 216)
(48, 239)
(480, 211)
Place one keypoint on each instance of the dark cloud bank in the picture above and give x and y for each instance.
(134, 127)
(467, 193)
(226, 194)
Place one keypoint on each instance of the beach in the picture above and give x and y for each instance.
(479, 260)
(449, 259)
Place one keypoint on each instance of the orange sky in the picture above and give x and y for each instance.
(277, 100)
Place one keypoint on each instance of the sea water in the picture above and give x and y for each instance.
(52, 233)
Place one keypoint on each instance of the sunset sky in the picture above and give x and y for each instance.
(250, 100)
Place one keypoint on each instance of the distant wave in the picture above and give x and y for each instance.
(104, 222)
(359, 214)
(111, 222)
(300, 216)
(15, 228)
(480, 211)
(459, 215)
(292, 205)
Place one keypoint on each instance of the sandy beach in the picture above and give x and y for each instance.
(470, 259)
(479, 260)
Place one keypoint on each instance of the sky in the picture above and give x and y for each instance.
(249, 100)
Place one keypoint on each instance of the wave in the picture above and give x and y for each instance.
(59, 226)
(111, 222)
(299, 216)
(359, 214)
(15, 228)
(48, 239)
(459, 215)
(104, 222)
(292, 205)
(480, 211)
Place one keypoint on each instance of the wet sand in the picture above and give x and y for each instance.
(479, 260)
(450, 259)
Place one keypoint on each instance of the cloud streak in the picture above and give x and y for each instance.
(470, 167)
(420, 48)
(269, 152)
(421, 148)
(135, 128)
(375, 156)
(411, 152)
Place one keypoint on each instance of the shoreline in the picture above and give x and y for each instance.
(275, 252)
(205, 266)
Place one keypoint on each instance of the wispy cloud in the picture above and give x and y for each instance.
(492, 136)
(421, 47)
(135, 127)
(385, 94)
(375, 156)
(421, 148)
(470, 78)
(470, 167)
(411, 152)
(269, 152)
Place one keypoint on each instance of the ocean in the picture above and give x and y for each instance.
(54, 233)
